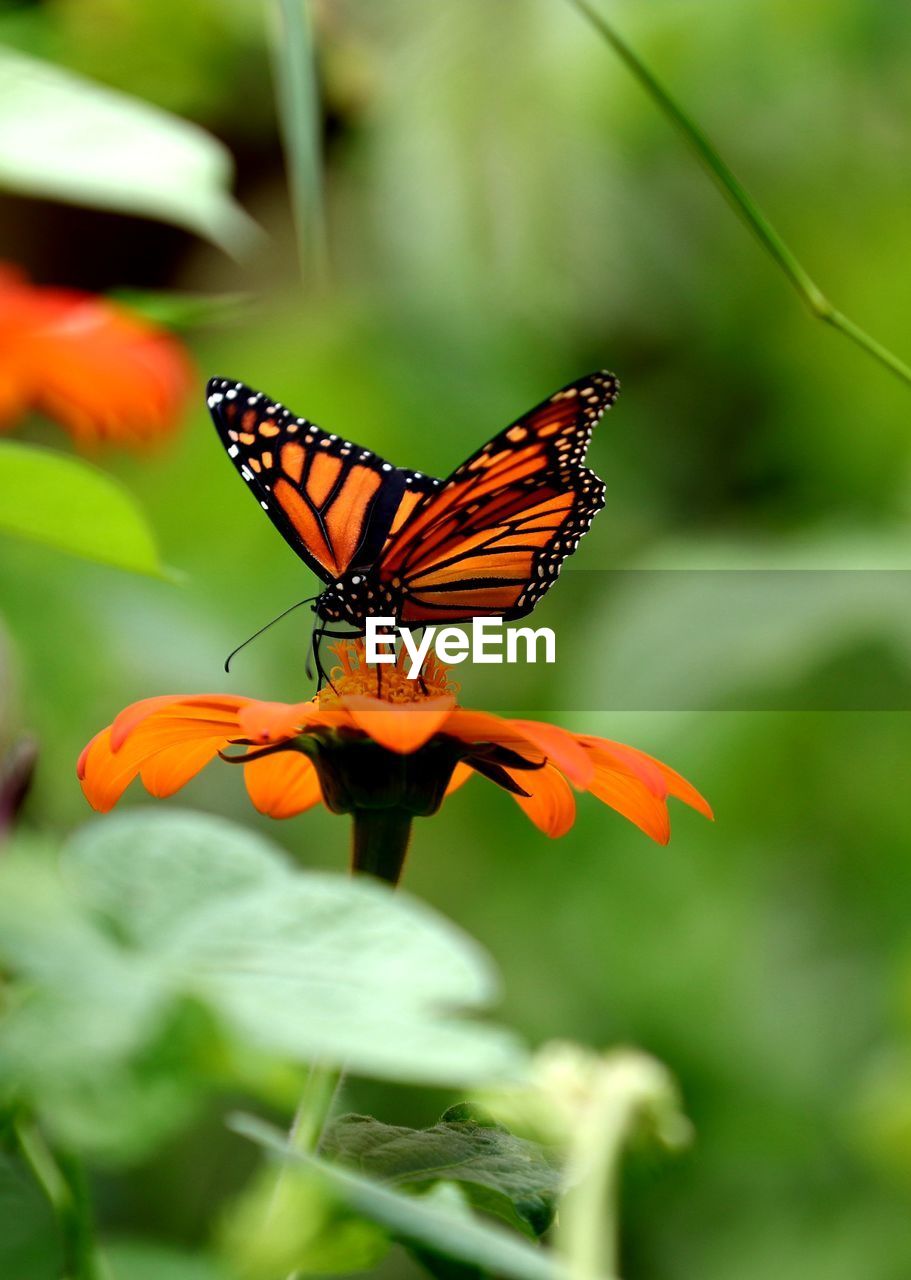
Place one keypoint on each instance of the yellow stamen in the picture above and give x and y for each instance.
(355, 676)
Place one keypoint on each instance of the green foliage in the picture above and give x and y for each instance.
(758, 637)
(69, 505)
(294, 1222)
(500, 1173)
(66, 138)
(740, 198)
(440, 1221)
(144, 1260)
(29, 1244)
(489, 243)
(179, 309)
(183, 946)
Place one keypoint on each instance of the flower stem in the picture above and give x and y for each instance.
(741, 200)
(380, 842)
(631, 1088)
(323, 1082)
(64, 1183)
(313, 1111)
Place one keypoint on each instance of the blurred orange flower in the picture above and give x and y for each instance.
(369, 746)
(103, 373)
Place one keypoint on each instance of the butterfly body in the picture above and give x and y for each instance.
(487, 541)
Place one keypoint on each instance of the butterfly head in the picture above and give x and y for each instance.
(352, 597)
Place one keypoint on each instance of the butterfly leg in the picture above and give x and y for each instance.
(315, 641)
(421, 673)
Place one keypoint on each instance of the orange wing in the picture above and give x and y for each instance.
(492, 538)
(331, 500)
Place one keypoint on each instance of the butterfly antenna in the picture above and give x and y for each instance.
(234, 652)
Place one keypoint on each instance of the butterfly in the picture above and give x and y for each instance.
(488, 541)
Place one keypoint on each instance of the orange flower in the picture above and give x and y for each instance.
(382, 748)
(99, 370)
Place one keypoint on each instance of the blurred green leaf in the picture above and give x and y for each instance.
(29, 1243)
(171, 932)
(178, 310)
(69, 505)
(516, 1179)
(151, 870)
(302, 965)
(439, 1221)
(297, 1225)
(145, 1260)
(64, 137)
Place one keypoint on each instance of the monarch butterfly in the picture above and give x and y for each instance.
(488, 541)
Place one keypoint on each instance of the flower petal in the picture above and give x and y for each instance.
(104, 774)
(168, 770)
(460, 775)
(80, 358)
(530, 738)
(551, 804)
(283, 784)
(168, 740)
(482, 726)
(562, 749)
(633, 800)
(678, 786)
(403, 727)
(658, 777)
(212, 706)
(275, 721)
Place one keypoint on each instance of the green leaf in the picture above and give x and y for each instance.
(294, 1224)
(67, 138)
(300, 965)
(516, 1179)
(144, 1260)
(150, 870)
(179, 310)
(29, 1244)
(439, 1221)
(171, 951)
(69, 505)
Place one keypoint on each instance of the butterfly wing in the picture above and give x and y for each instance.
(333, 502)
(492, 538)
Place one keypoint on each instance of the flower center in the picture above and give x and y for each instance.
(355, 676)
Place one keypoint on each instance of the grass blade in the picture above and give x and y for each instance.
(741, 200)
(297, 94)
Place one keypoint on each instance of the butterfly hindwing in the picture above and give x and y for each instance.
(492, 538)
(332, 501)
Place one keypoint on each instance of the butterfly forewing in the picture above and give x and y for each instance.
(333, 501)
(492, 539)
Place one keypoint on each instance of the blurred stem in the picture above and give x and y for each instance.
(741, 200)
(380, 842)
(315, 1106)
(297, 95)
(630, 1089)
(64, 1183)
(313, 1111)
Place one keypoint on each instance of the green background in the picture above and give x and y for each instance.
(506, 210)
